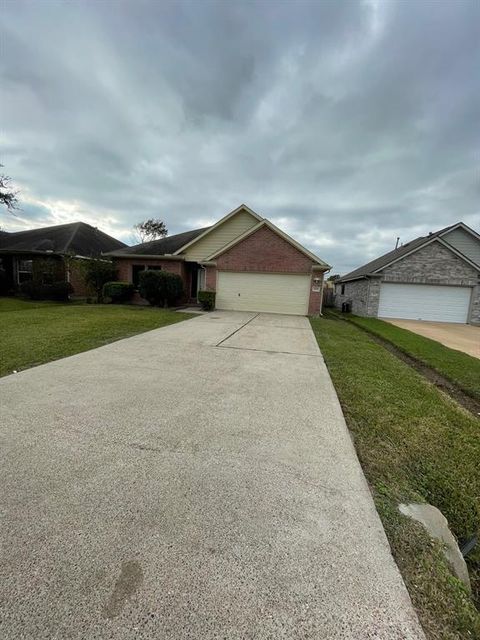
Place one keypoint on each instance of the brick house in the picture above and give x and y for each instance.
(250, 264)
(51, 254)
(434, 277)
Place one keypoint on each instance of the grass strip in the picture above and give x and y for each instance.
(460, 368)
(32, 333)
(414, 444)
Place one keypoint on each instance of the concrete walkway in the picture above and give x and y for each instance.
(196, 481)
(462, 337)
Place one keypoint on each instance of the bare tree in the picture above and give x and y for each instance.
(8, 196)
(150, 229)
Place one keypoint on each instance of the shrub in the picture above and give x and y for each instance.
(97, 272)
(160, 287)
(59, 291)
(118, 291)
(174, 287)
(207, 300)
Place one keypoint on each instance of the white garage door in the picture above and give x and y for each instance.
(424, 302)
(267, 292)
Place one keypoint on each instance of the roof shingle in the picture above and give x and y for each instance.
(77, 238)
(160, 247)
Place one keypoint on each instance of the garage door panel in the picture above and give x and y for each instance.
(424, 302)
(265, 292)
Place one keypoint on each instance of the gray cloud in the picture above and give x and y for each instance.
(348, 124)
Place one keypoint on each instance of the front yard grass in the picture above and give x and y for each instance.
(460, 368)
(32, 333)
(415, 444)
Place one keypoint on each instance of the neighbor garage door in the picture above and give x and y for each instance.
(267, 292)
(424, 302)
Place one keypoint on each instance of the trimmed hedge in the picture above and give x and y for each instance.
(160, 288)
(59, 291)
(207, 300)
(118, 291)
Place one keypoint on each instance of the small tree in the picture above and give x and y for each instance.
(150, 229)
(8, 196)
(98, 272)
(334, 277)
(160, 287)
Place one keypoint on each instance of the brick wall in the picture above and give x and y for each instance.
(124, 266)
(433, 264)
(357, 293)
(264, 250)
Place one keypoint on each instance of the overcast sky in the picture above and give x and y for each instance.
(346, 123)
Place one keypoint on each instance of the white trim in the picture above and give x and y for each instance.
(439, 239)
(409, 253)
(449, 246)
(282, 234)
(242, 207)
(429, 241)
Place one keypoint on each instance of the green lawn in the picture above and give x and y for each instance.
(32, 333)
(458, 367)
(414, 444)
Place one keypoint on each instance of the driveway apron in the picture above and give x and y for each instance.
(196, 481)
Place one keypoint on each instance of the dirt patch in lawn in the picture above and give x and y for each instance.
(432, 376)
(442, 383)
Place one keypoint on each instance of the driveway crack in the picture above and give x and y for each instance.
(237, 330)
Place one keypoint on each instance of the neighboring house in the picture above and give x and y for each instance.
(52, 254)
(247, 260)
(435, 277)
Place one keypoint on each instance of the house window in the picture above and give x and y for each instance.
(24, 271)
(137, 270)
(342, 291)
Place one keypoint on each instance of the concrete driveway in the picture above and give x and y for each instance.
(196, 481)
(462, 337)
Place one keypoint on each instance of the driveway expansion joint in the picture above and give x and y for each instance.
(237, 330)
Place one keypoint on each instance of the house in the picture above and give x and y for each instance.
(250, 264)
(434, 277)
(51, 254)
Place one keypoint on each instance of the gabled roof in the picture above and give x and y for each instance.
(390, 257)
(266, 223)
(242, 207)
(161, 247)
(77, 238)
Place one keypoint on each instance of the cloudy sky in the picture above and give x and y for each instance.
(346, 123)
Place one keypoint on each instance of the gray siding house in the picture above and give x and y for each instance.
(434, 277)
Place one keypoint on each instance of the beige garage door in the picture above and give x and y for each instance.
(266, 292)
